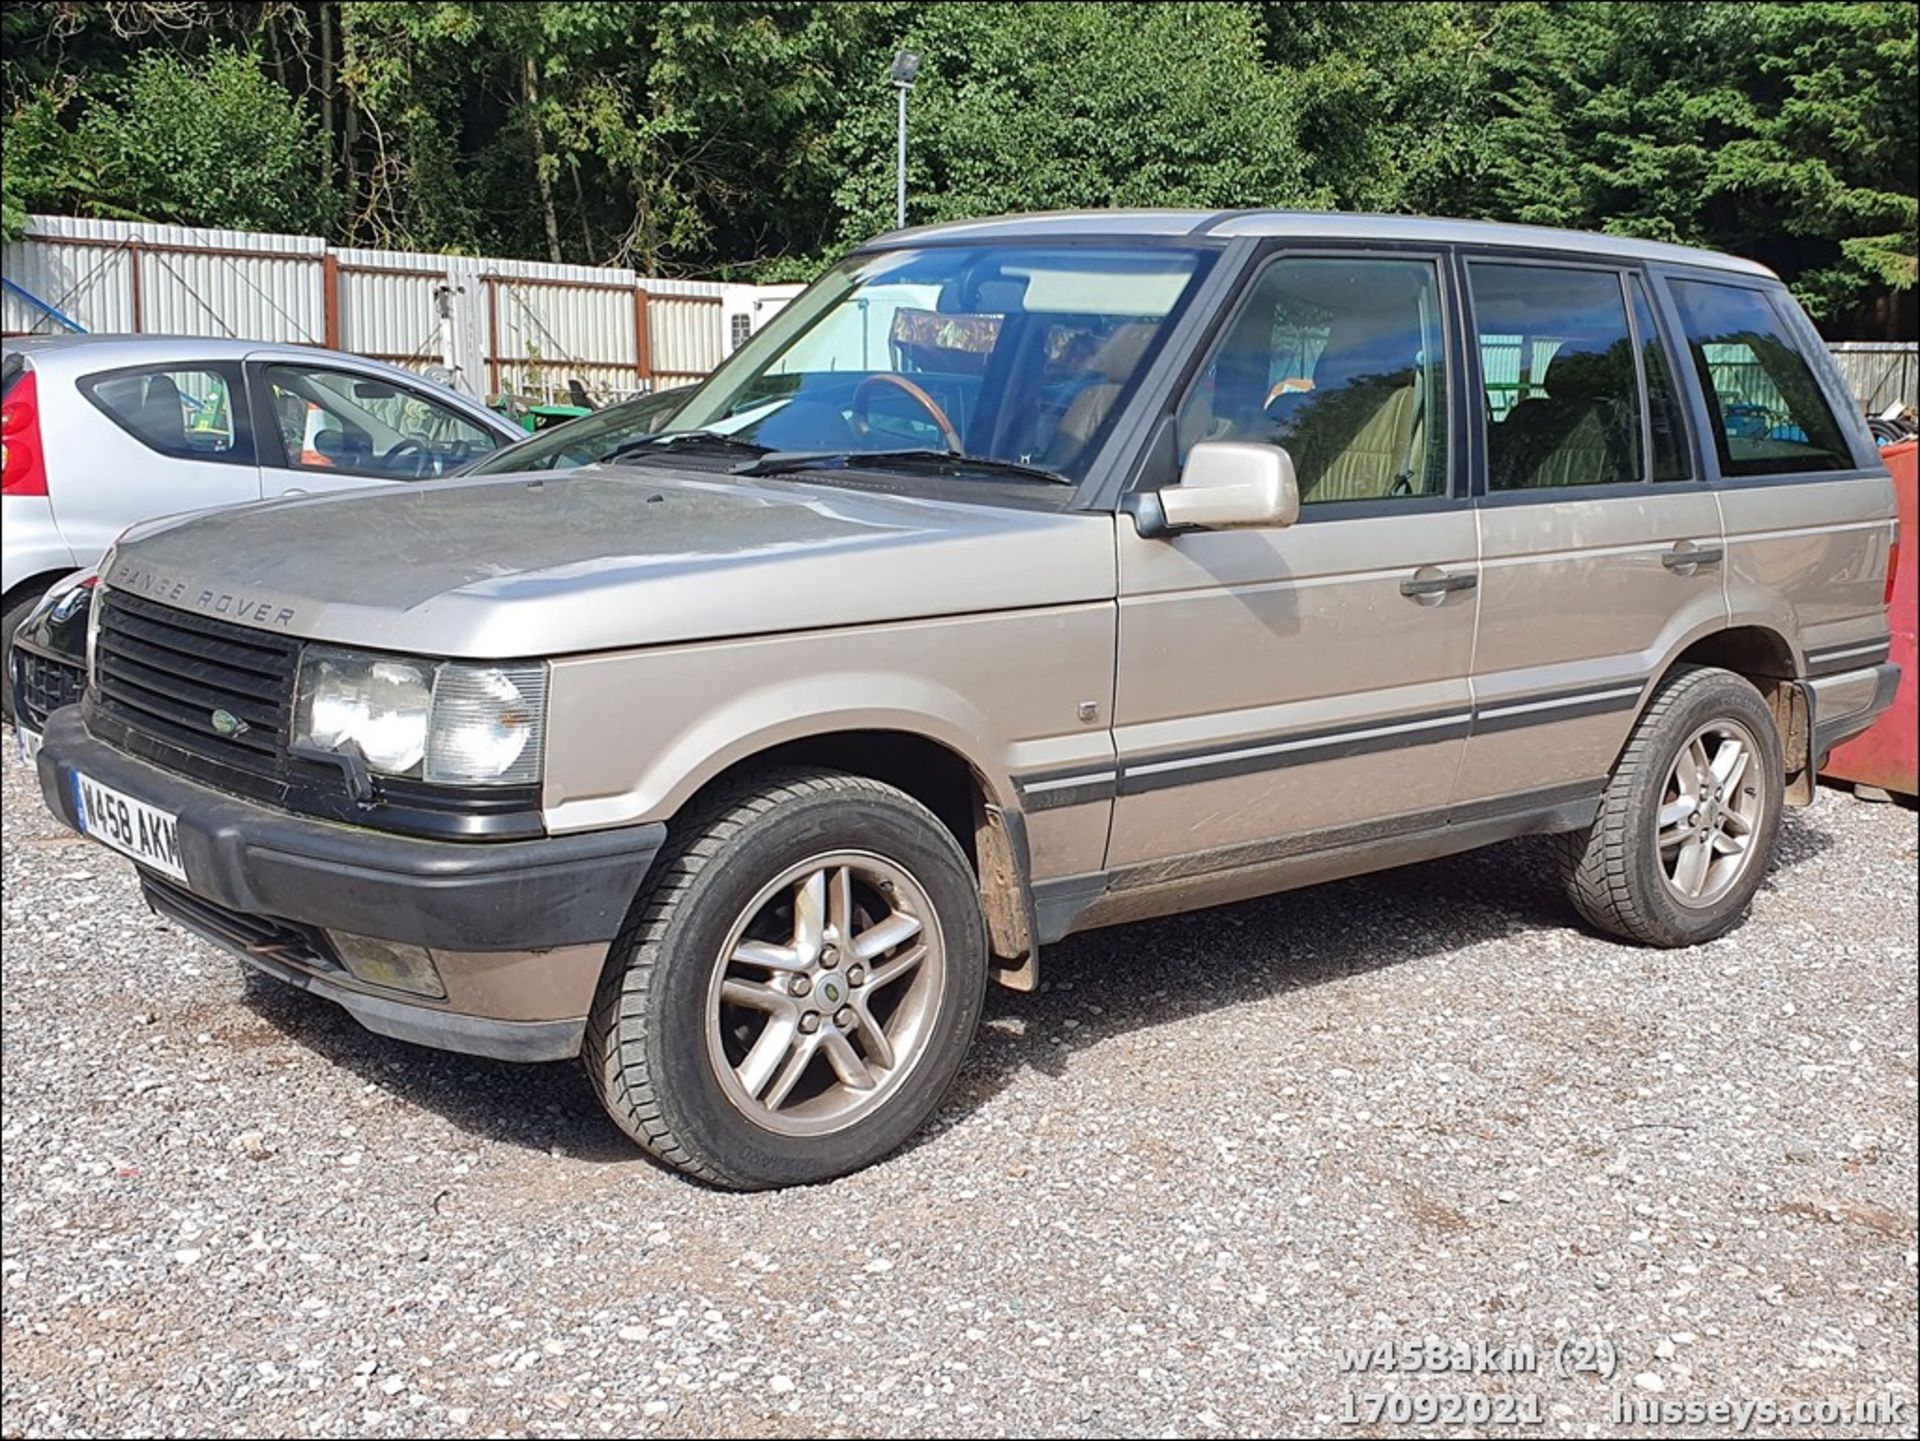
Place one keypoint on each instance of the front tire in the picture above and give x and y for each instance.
(796, 985)
(1686, 828)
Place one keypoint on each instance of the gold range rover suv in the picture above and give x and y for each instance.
(1022, 576)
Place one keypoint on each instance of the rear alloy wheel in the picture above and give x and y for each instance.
(796, 985)
(1686, 826)
(1711, 812)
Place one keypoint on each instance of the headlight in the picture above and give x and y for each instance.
(447, 721)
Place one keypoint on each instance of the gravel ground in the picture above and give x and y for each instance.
(1167, 1191)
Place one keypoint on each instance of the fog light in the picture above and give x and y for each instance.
(382, 963)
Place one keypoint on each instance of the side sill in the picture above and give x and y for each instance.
(1234, 873)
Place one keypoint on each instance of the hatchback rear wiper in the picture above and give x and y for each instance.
(931, 462)
(666, 442)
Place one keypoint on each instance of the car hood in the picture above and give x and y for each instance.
(605, 557)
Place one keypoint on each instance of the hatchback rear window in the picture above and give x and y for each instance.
(1769, 416)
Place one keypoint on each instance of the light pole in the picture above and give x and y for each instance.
(906, 65)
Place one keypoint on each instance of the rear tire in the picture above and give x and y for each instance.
(796, 985)
(1686, 829)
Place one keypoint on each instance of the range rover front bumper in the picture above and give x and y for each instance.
(517, 930)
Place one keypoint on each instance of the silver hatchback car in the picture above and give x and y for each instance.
(105, 430)
(1023, 576)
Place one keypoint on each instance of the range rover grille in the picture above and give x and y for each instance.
(207, 686)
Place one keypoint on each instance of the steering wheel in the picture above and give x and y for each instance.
(863, 395)
(403, 446)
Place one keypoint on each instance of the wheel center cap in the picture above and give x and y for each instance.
(831, 989)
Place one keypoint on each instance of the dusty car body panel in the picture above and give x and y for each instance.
(1347, 701)
(1809, 561)
(1581, 611)
(604, 559)
(636, 735)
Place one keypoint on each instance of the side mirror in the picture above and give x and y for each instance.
(1230, 484)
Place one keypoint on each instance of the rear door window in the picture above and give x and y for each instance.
(1562, 391)
(1768, 413)
(186, 412)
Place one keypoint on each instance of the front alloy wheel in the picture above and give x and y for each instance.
(796, 984)
(826, 995)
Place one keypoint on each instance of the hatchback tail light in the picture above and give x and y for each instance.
(1893, 570)
(23, 469)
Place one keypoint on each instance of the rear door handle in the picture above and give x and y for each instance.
(1686, 556)
(1426, 582)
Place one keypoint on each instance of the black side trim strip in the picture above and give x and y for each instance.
(1059, 903)
(1057, 796)
(1838, 660)
(1339, 838)
(1491, 719)
(1083, 785)
(1301, 750)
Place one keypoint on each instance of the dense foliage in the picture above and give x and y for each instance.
(757, 138)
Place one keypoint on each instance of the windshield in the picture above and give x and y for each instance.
(1014, 353)
(583, 441)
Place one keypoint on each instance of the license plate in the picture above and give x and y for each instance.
(132, 827)
(28, 742)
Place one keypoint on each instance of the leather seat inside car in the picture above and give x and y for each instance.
(1355, 426)
(1112, 365)
(1357, 442)
(159, 418)
(1576, 435)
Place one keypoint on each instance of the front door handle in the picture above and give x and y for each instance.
(1686, 557)
(1432, 581)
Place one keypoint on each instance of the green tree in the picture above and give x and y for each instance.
(755, 137)
(212, 142)
(1783, 132)
(206, 142)
(1052, 106)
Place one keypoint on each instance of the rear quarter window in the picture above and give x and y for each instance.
(1765, 406)
(185, 412)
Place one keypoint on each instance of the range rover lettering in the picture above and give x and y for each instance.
(1021, 577)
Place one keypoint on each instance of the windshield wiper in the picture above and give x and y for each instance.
(928, 462)
(666, 442)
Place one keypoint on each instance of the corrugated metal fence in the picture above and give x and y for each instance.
(519, 326)
(1880, 372)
